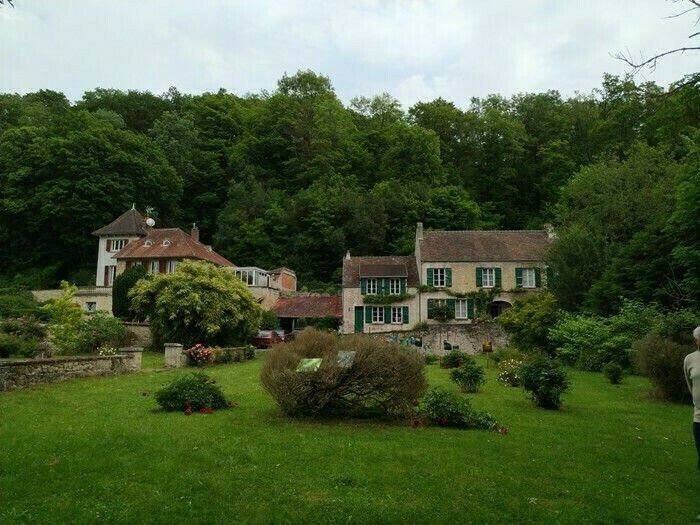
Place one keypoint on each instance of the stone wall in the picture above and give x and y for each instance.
(469, 337)
(29, 372)
(140, 332)
(89, 298)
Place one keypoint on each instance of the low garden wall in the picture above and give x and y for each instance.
(469, 337)
(29, 372)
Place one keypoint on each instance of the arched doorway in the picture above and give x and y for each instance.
(496, 308)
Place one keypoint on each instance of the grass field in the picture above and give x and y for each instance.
(94, 450)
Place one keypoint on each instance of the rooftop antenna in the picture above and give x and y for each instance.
(133, 206)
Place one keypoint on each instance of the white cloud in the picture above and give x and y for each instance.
(415, 50)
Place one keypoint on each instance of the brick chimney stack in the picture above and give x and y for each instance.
(195, 232)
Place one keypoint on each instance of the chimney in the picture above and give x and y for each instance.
(195, 232)
(347, 255)
(419, 231)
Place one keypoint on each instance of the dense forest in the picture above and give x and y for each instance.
(296, 178)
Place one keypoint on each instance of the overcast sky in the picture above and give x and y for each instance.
(413, 50)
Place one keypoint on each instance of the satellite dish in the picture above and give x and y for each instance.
(150, 222)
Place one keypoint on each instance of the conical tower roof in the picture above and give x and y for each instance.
(128, 223)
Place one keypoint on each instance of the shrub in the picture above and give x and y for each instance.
(507, 353)
(97, 330)
(661, 360)
(510, 372)
(228, 355)
(430, 359)
(382, 379)
(27, 327)
(447, 409)
(269, 321)
(576, 337)
(249, 351)
(106, 350)
(452, 359)
(613, 372)
(65, 317)
(18, 303)
(678, 326)
(12, 345)
(123, 283)
(469, 376)
(528, 322)
(442, 312)
(545, 380)
(199, 355)
(193, 391)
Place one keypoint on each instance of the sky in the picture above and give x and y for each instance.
(413, 50)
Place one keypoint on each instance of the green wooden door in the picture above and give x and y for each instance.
(359, 319)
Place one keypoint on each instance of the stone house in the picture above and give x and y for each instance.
(453, 277)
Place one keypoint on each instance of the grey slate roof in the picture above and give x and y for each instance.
(486, 245)
(377, 267)
(129, 223)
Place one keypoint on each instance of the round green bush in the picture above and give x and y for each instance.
(545, 380)
(194, 391)
(12, 345)
(661, 360)
(452, 359)
(469, 376)
(448, 409)
(614, 372)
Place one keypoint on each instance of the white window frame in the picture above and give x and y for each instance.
(111, 275)
(396, 315)
(377, 315)
(372, 286)
(154, 267)
(170, 266)
(529, 279)
(439, 278)
(394, 286)
(461, 309)
(488, 277)
(118, 242)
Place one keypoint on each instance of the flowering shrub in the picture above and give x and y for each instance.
(199, 355)
(447, 409)
(510, 372)
(469, 376)
(194, 391)
(107, 350)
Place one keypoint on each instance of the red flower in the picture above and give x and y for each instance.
(188, 411)
(443, 421)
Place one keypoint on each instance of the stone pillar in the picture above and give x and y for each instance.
(131, 361)
(174, 357)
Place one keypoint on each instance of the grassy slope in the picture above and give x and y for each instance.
(93, 450)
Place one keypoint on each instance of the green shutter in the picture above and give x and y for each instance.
(498, 277)
(448, 277)
(368, 314)
(452, 305)
(430, 277)
(479, 278)
(538, 277)
(387, 315)
(470, 308)
(363, 286)
(404, 314)
(518, 277)
(403, 285)
(431, 307)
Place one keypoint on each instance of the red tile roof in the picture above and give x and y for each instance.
(379, 266)
(309, 306)
(170, 243)
(483, 246)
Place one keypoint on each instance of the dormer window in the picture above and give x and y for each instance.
(166, 242)
(148, 244)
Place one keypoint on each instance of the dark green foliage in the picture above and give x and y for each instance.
(195, 390)
(452, 359)
(442, 312)
(528, 322)
(99, 329)
(545, 380)
(430, 359)
(15, 346)
(27, 327)
(123, 283)
(269, 321)
(383, 379)
(661, 360)
(444, 408)
(678, 325)
(614, 373)
(249, 352)
(469, 376)
(17, 303)
(507, 353)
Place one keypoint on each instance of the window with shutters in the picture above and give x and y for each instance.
(371, 286)
(461, 309)
(396, 315)
(439, 277)
(529, 278)
(488, 277)
(117, 244)
(154, 267)
(377, 314)
(394, 286)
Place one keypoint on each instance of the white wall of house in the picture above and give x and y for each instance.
(106, 258)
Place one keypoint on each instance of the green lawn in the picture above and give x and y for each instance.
(94, 450)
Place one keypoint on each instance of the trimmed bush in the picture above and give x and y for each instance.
(26, 327)
(545, 380)
(193, 391)
(12, 345)
(100, 329)
(379, 379)
(447, 409)
(452, 359)
(18, 303)
(613, 372)
(469, 376)
(661, 360)
(510, 372)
